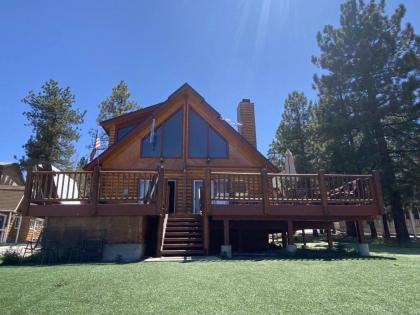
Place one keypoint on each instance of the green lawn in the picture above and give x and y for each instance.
(389, 283)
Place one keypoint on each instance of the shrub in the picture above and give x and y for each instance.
(11, 258)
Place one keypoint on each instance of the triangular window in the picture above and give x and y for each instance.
(166, 140)
(203, 140)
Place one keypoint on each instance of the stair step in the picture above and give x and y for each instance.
(182, 252)
(183, 219)
(183, 228)
(183, 239)
(182, 246)
(182, 234)
(182, 223)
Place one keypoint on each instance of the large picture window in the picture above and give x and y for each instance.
(203, 140)
(167, 139)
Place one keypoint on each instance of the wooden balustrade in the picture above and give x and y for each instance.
(236, 188)
(272, 189)
(293, 188)
(255, 193)
(349, 189)
(48, 186)
(128, 186)
(79, 186)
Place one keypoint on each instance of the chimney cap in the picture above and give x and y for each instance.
(246, 100)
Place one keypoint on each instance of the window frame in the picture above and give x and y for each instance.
(18, 222)
(162, 135)
(207, 139)
(134, 125)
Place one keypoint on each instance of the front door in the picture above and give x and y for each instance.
(198, 184)
(3, 219)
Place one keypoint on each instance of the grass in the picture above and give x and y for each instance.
(315, 284)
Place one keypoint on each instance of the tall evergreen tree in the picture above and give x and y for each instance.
(293, 133)
(55, 126)
(370, 96)
(118, 103)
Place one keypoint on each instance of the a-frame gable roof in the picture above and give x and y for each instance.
(153, 111)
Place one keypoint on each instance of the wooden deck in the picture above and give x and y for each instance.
(225, 194)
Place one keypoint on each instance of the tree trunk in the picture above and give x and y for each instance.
(351, 228)
(389, 181)
(315, 233)
(386, 227)
(373, 232)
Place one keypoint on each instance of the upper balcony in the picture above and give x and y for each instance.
(225, 194)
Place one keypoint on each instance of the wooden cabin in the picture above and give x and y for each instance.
(177, 179)
(15, 228)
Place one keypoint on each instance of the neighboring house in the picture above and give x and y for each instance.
(177, 179)
(14, 228)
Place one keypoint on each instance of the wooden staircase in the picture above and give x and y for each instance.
(183, 236)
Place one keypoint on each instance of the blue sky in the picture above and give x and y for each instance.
(227, 50)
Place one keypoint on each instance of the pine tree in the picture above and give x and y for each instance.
(369, 100)
(118, 103)
(55, 126)
(293, 133)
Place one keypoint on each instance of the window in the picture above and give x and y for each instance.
(151, 146)
(197, 136)
(167, 139)
(31, 224)
(204, 141)
(122, 132)
(172, 136)
(17, 222)
(217, 145)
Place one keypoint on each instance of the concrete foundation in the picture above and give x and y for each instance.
(226, 251)
(363, 249)
(123, 252)
(291, 249)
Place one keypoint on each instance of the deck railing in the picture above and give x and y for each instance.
(276, 189)
(236, 188)
(255, 191)
(128, 186)
(293, 188)
(48, 187)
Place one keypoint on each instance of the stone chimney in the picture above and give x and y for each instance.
(246, 121)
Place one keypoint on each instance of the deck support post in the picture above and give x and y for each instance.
(264, 188)
(363, 247)
(304, 238)
(329, 239)
(284, 239)
(95, 189)
(226, 248)
(206, 204)
(323, 191)
(160, 208)
(291, 247)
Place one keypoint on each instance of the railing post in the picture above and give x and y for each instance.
(206, 210)
(323, 191)
(207, 192)
(160, 204)
(378, 191)
(160, 207)
(94, 189)
(27, 193)
(264, 188)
